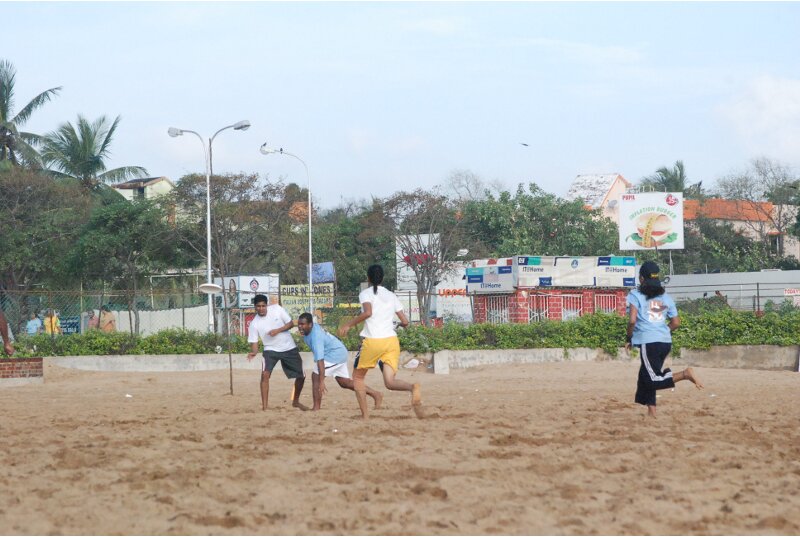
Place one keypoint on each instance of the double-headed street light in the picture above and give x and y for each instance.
(269, 151)
(209, 287)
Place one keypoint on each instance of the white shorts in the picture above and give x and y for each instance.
(333, 370)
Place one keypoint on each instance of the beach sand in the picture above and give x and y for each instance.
(516, 449)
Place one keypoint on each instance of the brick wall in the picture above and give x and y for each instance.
(16, 368)
(555, 301)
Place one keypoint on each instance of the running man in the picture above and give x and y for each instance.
(330, 358)
(378, 308)
(271, 324)
(649, 308)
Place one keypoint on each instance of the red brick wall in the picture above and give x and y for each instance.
(518, 302)
(14, 368)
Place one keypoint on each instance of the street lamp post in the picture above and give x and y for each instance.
(209, 287)
(268, 151)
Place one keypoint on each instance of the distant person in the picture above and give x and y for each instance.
(649, 309)
(8, 348)
(107, 321)
(52, 324)
(330, 360)
(34, 325)
(379, 306)
(92, 320)
(271, 325)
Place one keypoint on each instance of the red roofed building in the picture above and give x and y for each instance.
(754, 219)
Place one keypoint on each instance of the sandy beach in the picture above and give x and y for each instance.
(528, 449)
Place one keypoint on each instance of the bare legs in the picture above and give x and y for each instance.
(264, 389)
(298, 387)
(686, 374)
(347, 384)
(391, 383)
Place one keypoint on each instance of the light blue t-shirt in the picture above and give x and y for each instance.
(325, 346)
(651, 317)
(33, 326)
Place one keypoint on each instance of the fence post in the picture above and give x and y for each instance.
(758, 297)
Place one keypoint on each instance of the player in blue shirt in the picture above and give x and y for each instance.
(330, 359)
(652, 317)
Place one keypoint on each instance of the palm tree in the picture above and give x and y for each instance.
(673, 180)
(80, 152)
(17, 146)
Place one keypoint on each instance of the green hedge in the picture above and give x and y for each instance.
(600, 330)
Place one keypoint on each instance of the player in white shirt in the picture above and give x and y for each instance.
(271, 325)
(378, 308)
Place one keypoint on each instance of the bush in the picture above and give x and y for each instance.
(701, 330)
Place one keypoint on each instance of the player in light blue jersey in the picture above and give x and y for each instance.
(330, 360)
(652, 317)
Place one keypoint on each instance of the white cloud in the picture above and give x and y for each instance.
(766, 116)
(587, 53)
(443, 26)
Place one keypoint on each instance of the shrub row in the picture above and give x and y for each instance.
(605, 331)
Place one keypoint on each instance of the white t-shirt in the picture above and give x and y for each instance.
(384, 305)
(260, 327)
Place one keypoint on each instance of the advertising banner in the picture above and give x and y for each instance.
(499, 277)
(535, 271)
(323, 272)
(241, 290)
(295, 300)
(451, 302)
(649, 221)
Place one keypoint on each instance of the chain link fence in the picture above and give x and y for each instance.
(147, 313)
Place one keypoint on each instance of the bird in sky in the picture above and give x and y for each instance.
(523, 143)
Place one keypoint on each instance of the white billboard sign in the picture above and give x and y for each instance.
(652, 220)
(242, 289)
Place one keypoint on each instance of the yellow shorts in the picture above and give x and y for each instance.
(386, 349)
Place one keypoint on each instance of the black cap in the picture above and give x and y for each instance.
(649, 270)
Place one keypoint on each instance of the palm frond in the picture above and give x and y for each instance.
(44, 97)
(7, 75)
(122, 174)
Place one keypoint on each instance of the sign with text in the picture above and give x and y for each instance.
(491, 276)
(295, 299)
(651, 221)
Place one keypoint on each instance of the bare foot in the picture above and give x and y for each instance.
(418, 411)
(301, 406)
(416, 395)
(263, 409)
(378, 401)
(689, 374)
(651, 411)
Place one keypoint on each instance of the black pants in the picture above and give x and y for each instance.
(651, 378)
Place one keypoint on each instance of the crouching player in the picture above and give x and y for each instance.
(330, 360)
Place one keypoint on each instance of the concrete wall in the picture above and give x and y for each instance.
(182, 362)
(769, 357)
(732, 357)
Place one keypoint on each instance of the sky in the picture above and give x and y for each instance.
(384, 96)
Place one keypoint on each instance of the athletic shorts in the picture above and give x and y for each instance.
(291, 362)
(358, 356)
(385, 349)
(333, 370)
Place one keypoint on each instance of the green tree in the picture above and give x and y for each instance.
(354, 236)
(673, 180)
(18, 146)
(251, 231)
(534, 222)
(81, 151)
(124, 242)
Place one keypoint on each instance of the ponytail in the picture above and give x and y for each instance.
(375, 277)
